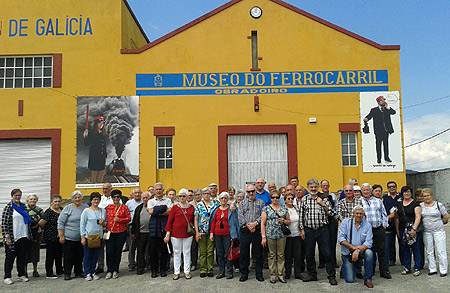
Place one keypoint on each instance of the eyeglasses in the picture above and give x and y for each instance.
(290, 198)
(223, 198)
(275, 197)
(116, 196)
(251, 191)
(348, 190)
(95, 198)
(392, 186)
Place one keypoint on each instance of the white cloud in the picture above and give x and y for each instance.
(432, 154)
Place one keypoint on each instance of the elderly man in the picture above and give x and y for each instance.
(377, 217)
(214, 189)
(159, 208)
(332, 223)
(355, 237)
(272, 186)
(390, 202)
(132, 204)
(249, 216)
(346, 205)
(140, 231)
(314, 212)
(352, 182)
(261, 193)
(151, 191)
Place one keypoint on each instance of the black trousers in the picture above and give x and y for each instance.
(158, 254)
(194, 252)
(379, 247)
(73, 257)
(19, 254)
(382, 139)
(333, 233)
(294, 251)
(141, 248)
(322, 238)
(53, 255)
(254, 239)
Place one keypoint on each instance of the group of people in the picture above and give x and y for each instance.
(278, 228)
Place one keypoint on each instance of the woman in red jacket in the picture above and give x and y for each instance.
(176, 228)
(118, 217)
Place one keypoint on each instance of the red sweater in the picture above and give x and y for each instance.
(176, 224)
(215, 225)
(124, 218)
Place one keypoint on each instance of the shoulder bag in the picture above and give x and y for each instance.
(94, 240)
(407, 239)
(107, 234)
(284, 228)
(190, 229)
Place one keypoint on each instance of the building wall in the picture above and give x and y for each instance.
(94, 65)
(436, 180)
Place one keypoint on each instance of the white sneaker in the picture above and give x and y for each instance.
(95, 277)
(22, 279)
(115, 275)
(8, 281)
(88, 278)
(108, 275)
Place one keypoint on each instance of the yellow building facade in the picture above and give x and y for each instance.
(229, 73)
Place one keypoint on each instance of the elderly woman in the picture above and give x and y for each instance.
(295, 246)
(407, 222)
(206, 246)
(272, 217)
(377, 191)
(231, 194)
(35, 214)
(16, 233)
(224, 226)
(181, 215)
(420, 199)
(53, 249)
(118, 217)
(194, 246)
(70, 237)
(434, 217)
(357, 191)
(93, 219)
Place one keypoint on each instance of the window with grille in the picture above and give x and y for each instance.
(26, 71)
(165, 152)
(349, 154)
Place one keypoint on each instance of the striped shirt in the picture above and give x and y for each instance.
(375, 212)
(250, 211)
(312, 214)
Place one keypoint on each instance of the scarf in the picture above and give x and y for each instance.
(21, 210)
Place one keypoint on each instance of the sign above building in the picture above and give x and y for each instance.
(241, 83)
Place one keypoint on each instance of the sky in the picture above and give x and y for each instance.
(421, 28)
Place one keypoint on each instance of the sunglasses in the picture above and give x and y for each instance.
(251, 191)
(348, 190)
(116, 196)
(275, 197)
(182, 196)
(392, 186)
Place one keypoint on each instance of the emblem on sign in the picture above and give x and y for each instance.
(158, 80)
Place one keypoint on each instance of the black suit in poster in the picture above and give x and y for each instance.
(382, 126)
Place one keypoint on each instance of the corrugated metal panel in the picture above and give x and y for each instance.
(25, 164)
(257, 155)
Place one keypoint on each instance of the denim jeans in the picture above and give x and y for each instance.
(114, 248)
(222, 246)
(350, 270)
(406, 250)
(19, 253)
(90, 259)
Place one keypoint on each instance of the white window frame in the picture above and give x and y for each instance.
(38, 68)
(346, 149)
(167, 159)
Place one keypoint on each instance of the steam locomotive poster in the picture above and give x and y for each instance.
(381, 132)
(107, 141)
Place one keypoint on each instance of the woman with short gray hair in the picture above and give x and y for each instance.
(70, 236)
(35, 214)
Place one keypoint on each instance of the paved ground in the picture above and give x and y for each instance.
(130, 282)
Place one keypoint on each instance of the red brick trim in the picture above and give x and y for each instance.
(164, 131)
(224, 131)
(55, 136)
(20, 108)
(57, 70)
(349, 127)
(255, 69)
(282, 3)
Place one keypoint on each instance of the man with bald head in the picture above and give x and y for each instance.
(261, 193)
(140, 232)
(132, 204)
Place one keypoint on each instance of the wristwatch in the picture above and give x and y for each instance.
(263, 236)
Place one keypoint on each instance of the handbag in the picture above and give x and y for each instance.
(284, 228)
(107, 234)
(234, 252)
(407, 239)
(190, 229)
(94, 241)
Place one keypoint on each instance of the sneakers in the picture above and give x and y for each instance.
(51, 277)
(115, 275)
(108, 275)
(88, 278)
(36, 274)
(22, 279)
(95, 277)
(8, 281)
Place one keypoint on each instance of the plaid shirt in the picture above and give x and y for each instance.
(313, 215)
(375, 212)
(250, 211)
(7, 224)
(345, 208)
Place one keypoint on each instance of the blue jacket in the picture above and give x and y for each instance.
(233, 222)
(157, 223)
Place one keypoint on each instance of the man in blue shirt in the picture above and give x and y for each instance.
(261, 193)
(355, 237)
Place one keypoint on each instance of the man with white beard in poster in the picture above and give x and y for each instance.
(382, 127)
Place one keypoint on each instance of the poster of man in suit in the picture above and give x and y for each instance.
(381, 132)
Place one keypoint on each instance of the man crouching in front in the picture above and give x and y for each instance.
(355, 237)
